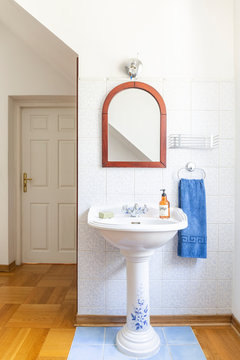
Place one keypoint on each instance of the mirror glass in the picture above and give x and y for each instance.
(134, 127)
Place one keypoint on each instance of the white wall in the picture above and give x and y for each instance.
(186, 38)
(191, 40)
(178, 285)
(236, 282)
(22, 72)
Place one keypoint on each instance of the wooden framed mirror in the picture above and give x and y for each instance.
(134, 127)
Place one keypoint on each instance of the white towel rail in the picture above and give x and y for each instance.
(180, 141)
(191, 167)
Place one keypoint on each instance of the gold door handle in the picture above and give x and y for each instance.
(25, 180)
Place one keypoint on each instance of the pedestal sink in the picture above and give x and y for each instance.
(137, 238)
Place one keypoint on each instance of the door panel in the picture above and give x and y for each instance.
(39, 162)
(67, 226)
(49, 205)
(66, 156)
(38, 122)
(66, 122)
(39, 226)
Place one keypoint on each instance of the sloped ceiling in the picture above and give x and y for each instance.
(39, 39)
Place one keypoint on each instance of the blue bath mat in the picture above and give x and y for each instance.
(98, 343)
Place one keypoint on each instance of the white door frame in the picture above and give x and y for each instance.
(18, 103)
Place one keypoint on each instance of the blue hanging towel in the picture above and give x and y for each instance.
(192, 241)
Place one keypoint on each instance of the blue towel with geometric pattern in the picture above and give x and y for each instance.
(192, 241)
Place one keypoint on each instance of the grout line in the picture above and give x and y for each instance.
(165, 337)
(104, 339)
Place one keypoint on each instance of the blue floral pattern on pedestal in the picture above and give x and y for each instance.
(140, 315)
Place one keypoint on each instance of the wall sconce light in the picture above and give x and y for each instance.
(133, 68)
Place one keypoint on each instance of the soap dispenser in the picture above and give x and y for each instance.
(164, 206)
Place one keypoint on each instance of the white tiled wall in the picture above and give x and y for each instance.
(178, 285)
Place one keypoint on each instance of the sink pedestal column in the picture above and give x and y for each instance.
(137, 338)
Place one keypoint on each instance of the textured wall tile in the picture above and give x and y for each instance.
(224, 294)
(205, 158)
(92, 180)
(186, 311)
(168, 311)
(155, 83)
(116, 291)
(116, 311)
(211, 181)
(90, 311)
(173, 199)
(175, 294)
(85, 201)
(91, 293)
(226, 237)
(203, 293)
(120, 181)
(227, 95)
(224, 311)
(85, 238)
(212, 209)
(179, 122)
(170, 179)
(177, 94)
(225, 265)
(178, 158)
(90, 123)
(205, 268)
(205, 95)
(226, 209)
(148, 199)
(110, 247)
(91, 265)
(176, 267)
(89, 238)
(121, 199)
(91, 94)
(199, 311)
(148, 181)
(157, 311)
(226, 181)
(205, 123)
(112, 83)
(226, 153)
(155, 293)
(227, 124)
(89, 153)
(171, 245)
(115, 266)
(212, 237)
(155, 266)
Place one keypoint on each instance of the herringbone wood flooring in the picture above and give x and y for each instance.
(37, 312)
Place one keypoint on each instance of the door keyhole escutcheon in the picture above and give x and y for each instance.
(25, 180)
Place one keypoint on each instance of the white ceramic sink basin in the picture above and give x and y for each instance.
(137, 238)
(137, 233)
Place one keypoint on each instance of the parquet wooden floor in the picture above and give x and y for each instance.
(218, 342)
(37, 312)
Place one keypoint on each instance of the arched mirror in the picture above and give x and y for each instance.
(134, 127)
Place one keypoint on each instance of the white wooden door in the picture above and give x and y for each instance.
(49, 205)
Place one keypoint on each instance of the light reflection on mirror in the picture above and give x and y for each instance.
(134, 127)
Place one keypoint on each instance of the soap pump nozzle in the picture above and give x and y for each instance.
(163, 190)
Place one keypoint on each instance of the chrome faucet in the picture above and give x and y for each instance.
(135, 210)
